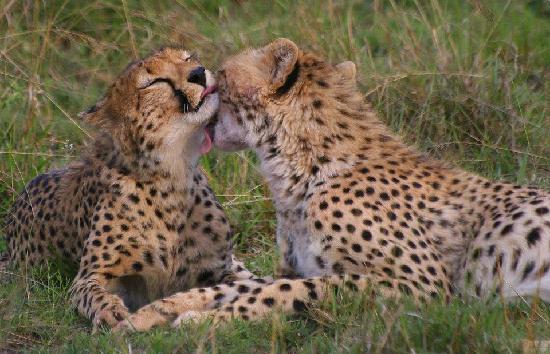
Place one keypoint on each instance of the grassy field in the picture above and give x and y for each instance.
(467, 81)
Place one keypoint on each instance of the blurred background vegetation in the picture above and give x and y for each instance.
(467, 81)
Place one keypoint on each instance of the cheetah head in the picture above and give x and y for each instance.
(278, 94)
(158, 108)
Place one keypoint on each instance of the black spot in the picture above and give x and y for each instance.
(507, 229)
(285, 287)
(269, 301)
(158, 213)
(148, 257)
(137, 266)
(317, 103)
(366, 235)
(415, 258)
(298, 305)
(397, 251)
(134, 198)
(517, 215)
(398, 234)
(320, 262)
(337, 268)
(541, 211)
(243, 289)
(533, 237)
(528, 269)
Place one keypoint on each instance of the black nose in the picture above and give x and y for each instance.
(197, 76)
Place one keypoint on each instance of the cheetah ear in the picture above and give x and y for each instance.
(347, 69)
(282, 55)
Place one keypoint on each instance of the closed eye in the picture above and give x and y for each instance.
(185, 105)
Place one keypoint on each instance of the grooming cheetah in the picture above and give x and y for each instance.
(135, 211)
(355, 206)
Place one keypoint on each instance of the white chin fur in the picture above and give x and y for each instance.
(209, 106)
(207, 110)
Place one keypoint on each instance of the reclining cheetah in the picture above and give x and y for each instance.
(135, 211)
(353, 200)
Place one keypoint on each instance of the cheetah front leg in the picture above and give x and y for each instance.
(198, 300)
(255, 300)
(94, 301)
(295, 295)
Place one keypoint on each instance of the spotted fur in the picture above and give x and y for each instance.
(357, 207)
(135, 212)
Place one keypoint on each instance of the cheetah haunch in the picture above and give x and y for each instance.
(356, 206)
(136, 212)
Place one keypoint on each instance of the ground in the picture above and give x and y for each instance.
(466, 81)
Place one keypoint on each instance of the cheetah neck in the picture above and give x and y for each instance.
(142, 167)
(295, 157)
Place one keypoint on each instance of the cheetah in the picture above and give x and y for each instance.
(135, 211)
(356, 207)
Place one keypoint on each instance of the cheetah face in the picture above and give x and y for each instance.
(248, 80)
(274, 90)
(159, 103)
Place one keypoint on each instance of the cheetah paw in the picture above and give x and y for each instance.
(140, 322)
(110, 318)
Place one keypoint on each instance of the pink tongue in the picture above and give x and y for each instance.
(208, 90)
(206, 142)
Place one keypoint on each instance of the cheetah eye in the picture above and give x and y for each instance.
(180, 96)
(156, 81)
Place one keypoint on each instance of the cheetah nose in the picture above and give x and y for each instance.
(197, 76)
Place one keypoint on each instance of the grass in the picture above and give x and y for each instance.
(467, 81)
